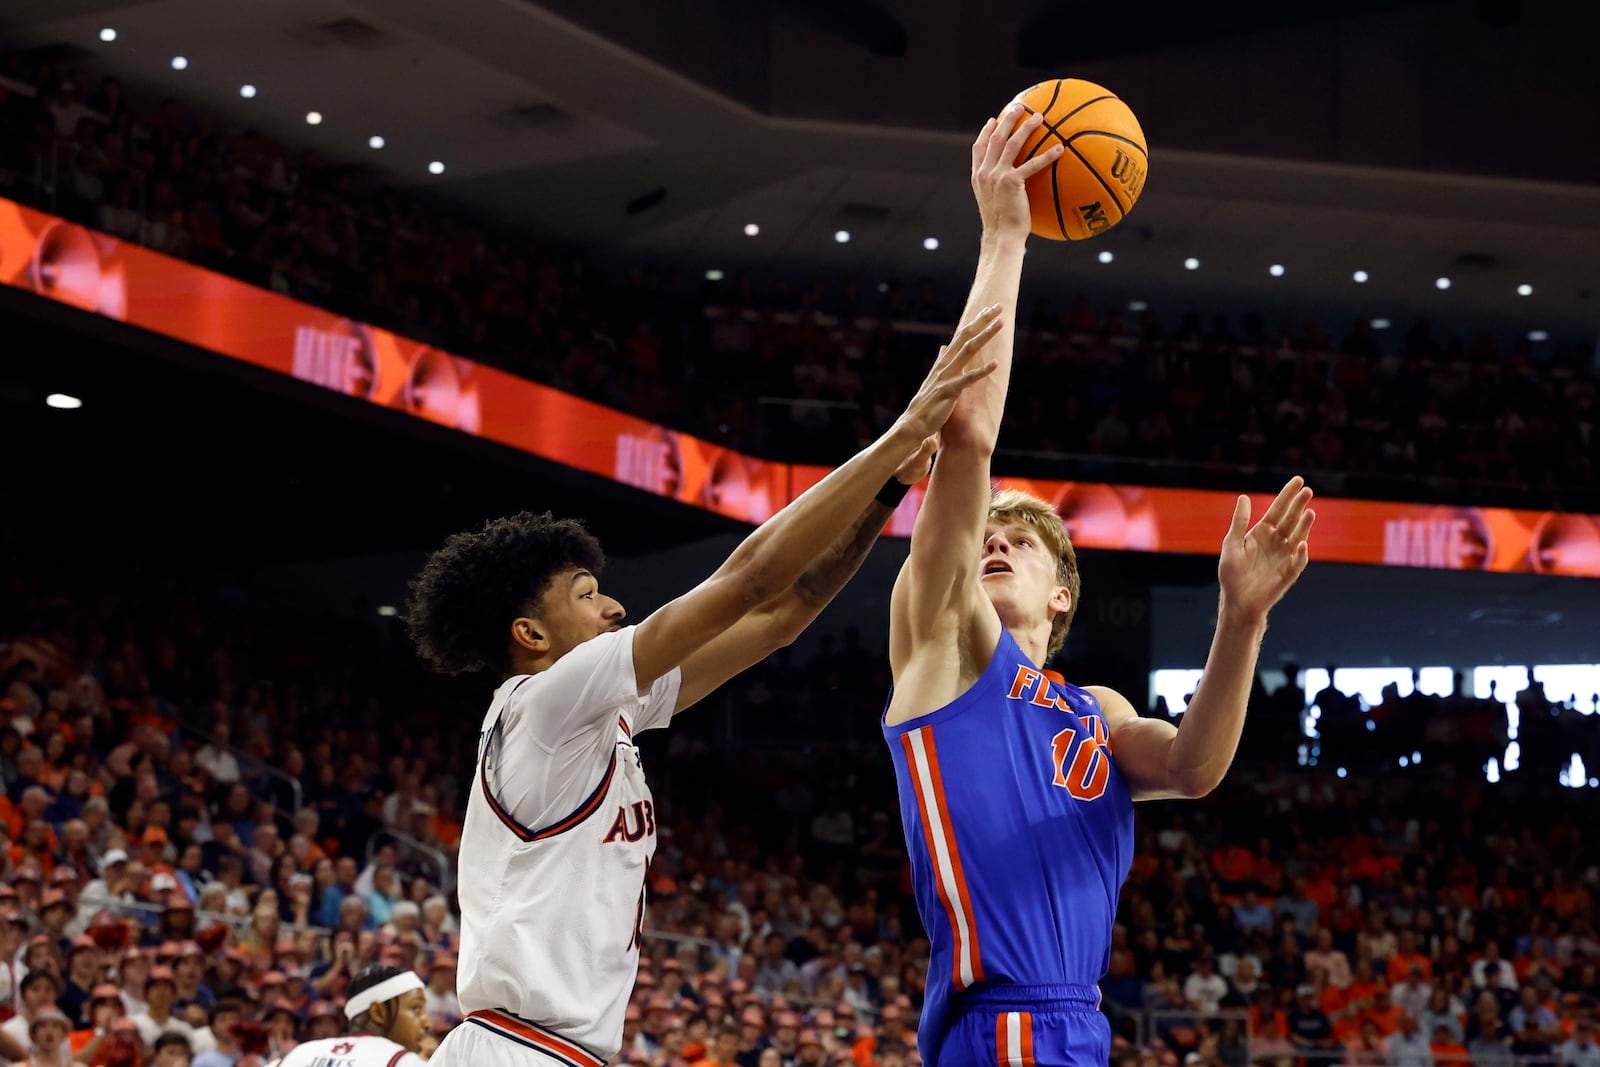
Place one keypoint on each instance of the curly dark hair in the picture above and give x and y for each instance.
(462, 602)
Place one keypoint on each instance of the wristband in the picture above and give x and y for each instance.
(893, 491)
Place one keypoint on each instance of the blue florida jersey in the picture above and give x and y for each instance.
(1020, 830)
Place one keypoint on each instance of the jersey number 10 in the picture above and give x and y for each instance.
(1082, 762)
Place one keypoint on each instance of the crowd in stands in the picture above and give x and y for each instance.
(168, 899)
(806, 371)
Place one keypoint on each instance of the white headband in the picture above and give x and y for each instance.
(388, 989)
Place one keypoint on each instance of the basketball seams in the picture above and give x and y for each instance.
(1106, 133)
(1103, 183)
(1055, 191)
(1048, 130)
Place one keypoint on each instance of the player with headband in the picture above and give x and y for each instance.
(387, 1013)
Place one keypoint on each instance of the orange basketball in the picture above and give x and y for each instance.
(1102, 168)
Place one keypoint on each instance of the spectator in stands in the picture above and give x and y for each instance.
(1204, 989)
(1579, 1050)
(1331, 960)
(157, 1018)
(1309, 1028)
(1408, 1047)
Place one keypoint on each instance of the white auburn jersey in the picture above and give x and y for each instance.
(558, 836)
(357, 1050)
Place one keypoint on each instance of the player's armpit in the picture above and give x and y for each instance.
(1142, 749)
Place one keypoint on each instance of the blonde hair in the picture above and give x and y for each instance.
(1013, 505)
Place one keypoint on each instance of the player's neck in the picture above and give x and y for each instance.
(1034, 641)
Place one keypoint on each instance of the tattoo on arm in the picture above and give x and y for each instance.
(830, 571)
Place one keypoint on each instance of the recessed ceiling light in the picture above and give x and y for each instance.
(1137, 305)
(313, 118)
(388, 611)
(931, 244)
(1524, 289)
(1191, 264)
(1538, 335)
(842, 236)
(375, 141)
(752, 229)
(179, 63)
(436, 167)
(1359, 277)
(63, 401)
(108, 35)
(1276, 270)
(713, 275)
(1441, 283)
(1106, 256)
(247, 91)
(1380, 324)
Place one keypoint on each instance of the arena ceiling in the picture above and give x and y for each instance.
(1329, 138)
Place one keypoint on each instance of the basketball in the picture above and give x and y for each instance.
(1102, 169)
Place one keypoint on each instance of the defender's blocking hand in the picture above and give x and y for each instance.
(953, 373)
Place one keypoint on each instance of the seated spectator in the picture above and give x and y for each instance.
(1204, 989)
(1309, 1028)
(1408, 1047)
(1579, 1050)
(1334, 962)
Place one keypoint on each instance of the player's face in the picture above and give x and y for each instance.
(574, 611)
(1017, 571)
(411, 1020)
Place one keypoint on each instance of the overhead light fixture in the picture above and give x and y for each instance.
(1106, 256)
(1359, 277)
(752, 230)
(842, 236)
(1191, 264)
(1276, 270)
(713, 275)
(313, 118)
(1524, 289)
(108, 35)
(1137, 305)
(1380, 324)
(436, 167)
(1441, 283)
(247, 91)
(388, 611)
(1538, 335)
(63, 401)
(931, 244)
(375, 141)
(180, 63)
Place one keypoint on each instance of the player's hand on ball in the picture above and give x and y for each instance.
(998, 182)
(955, 371)
(1259, 563)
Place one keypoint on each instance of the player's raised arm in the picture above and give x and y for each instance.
(1259, 563)
(999, 186)
(773, 557)
(938, 588)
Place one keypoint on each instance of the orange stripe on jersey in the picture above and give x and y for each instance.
(626, 732)
(922, 760)
(1025, 1024)
(537, 1036)
(955, 853)
(1002, 1039)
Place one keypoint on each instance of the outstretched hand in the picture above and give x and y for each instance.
(919, 464)
(1259, 563)
(953, 373)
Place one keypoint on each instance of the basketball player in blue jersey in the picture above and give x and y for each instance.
(1017, 789)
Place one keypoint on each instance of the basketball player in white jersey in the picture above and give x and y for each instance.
(388, 1017)
(560, 826)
